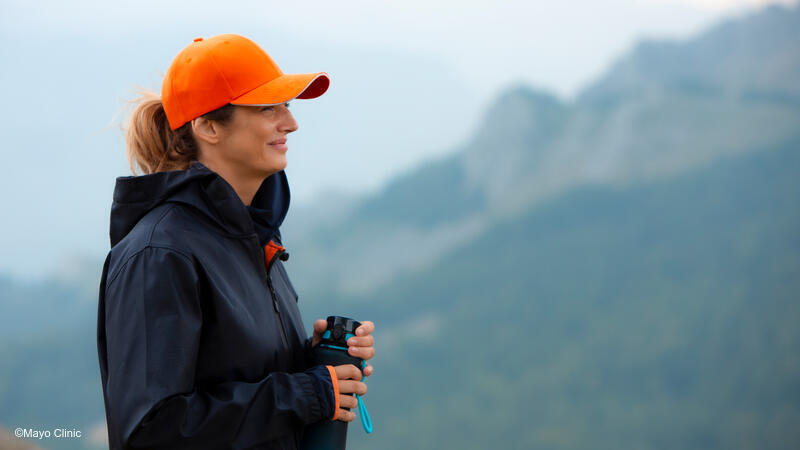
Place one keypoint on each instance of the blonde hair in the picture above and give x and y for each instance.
(155, 147)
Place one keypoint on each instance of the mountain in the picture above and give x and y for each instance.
(754, 57)
(654, 315)
(619, 271)
(665, 108)
(657, 315)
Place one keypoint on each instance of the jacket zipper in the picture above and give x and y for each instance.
(279, 254)
(275, 301)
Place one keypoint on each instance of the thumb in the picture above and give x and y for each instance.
(320, 325)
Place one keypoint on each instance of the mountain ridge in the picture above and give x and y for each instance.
(532, 146)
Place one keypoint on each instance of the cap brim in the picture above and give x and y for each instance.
(285, 88)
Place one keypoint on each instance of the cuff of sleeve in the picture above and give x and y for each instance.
(327, 394)
(335, 381)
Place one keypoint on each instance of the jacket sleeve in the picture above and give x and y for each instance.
(309, 352)
(152, 324)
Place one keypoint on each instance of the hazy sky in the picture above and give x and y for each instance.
(410, 80)
(557, 45)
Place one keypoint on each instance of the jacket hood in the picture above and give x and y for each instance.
(204, 190)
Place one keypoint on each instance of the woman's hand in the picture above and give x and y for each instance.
(349, 383)
(361, 346)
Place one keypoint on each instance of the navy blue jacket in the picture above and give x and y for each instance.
(200, 340)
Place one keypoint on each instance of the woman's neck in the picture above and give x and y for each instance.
(244, 184)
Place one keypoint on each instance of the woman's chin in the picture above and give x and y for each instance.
(274, 165)
(281, 164)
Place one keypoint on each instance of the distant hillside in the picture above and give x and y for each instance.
(9, 442)
(660, 315)
(655, 315)
(665, 108)
(53, 380)
(55, 305)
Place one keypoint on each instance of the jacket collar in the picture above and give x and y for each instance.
(205, 191)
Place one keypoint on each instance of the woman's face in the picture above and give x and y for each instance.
(255, 140)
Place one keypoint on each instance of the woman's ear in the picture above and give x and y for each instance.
(206, 130)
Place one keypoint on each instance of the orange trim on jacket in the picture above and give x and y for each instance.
(269, 252)
(335, 382)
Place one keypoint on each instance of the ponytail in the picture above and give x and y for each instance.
(153, 146)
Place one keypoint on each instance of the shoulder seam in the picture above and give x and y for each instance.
(164, 247)
(153, 227)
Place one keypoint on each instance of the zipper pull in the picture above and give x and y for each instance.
(273, 250)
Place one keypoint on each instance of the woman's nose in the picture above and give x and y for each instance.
(288, 124)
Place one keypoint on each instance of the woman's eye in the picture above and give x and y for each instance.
(271, 107)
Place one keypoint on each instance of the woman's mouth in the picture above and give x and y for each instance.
(280, 144)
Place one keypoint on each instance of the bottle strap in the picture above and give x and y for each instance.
(366, 422)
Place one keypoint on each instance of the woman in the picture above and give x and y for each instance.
(200, 339)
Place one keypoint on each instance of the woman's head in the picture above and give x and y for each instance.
(252, 143)
(223, 101)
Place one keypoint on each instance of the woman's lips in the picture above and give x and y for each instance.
(279, 145)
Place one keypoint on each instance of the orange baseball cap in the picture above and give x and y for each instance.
(228, 68)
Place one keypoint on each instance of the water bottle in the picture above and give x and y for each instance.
(332, 351)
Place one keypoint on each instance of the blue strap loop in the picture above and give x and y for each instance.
(362, 411)
(366, 421)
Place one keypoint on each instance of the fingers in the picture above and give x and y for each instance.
(346, 416)
(347, 372)
(362, 352)
(364, 341)
(368, 370)
(366, 328)
(362, 346)
(352, 387)
(348, 401)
